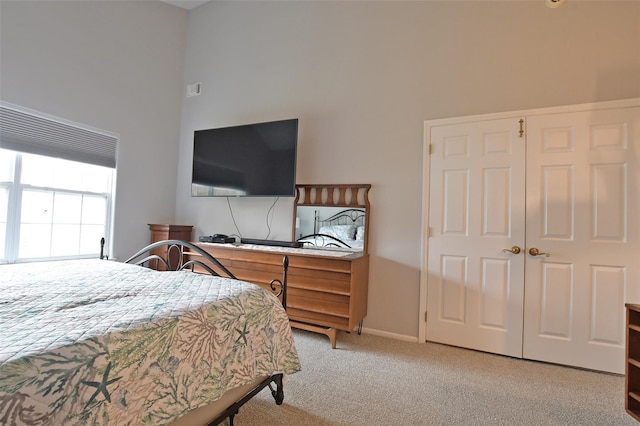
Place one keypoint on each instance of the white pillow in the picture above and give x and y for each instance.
(360, 233)
(341, 232)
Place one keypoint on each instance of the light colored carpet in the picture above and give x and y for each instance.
(371, 380)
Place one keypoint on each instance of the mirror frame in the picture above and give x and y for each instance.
(334, 195)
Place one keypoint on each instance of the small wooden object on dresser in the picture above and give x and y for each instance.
(161, 232)
(632, 364)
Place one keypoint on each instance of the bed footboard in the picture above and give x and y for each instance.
(178, 255)
(174, 258)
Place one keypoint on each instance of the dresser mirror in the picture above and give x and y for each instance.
(332, 216)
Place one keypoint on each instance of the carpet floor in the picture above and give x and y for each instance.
(372, 380)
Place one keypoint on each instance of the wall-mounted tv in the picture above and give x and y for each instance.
(256, 160)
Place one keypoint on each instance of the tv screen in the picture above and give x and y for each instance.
(256, 160)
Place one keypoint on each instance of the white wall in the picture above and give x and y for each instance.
(363, 76)
(116, 66)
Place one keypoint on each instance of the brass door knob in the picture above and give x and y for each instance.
(514, 250)
(536, 252)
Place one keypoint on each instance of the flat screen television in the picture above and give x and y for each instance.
(256, 160)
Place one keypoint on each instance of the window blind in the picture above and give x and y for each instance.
(25, 131)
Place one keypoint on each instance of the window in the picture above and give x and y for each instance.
(52, 208)
(55, 186)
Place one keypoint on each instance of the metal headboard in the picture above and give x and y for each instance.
(345, 217)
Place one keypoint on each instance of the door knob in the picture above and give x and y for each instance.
(535, 252)
(514, 250)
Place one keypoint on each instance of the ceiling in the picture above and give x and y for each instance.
(190, 4)
(186, 4)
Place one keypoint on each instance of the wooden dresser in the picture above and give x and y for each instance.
(325, 293)
(327, 289)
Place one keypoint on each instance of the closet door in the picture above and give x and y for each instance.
(476, 214)
(582, 209)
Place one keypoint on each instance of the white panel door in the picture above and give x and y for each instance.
(475, 287)
(582, 209)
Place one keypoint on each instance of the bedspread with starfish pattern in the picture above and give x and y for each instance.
(100, 342)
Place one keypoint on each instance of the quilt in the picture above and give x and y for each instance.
(94, 342)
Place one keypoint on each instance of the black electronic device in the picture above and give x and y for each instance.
(278, 243)
(256, 160)
(217, 238)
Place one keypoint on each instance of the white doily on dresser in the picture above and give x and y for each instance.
(318, 252)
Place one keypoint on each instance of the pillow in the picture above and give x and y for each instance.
(360, 233)
(341, 232)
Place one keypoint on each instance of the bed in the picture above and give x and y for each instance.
(103, 342)
(343, 230)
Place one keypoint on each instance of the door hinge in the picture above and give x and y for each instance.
(521, 127)
(425, 316)
(428, 232)
(430, 149)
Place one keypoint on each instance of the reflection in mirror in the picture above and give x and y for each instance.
(332, 227)
(332, 216)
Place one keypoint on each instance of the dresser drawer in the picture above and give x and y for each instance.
(338, 283)
(318, 318)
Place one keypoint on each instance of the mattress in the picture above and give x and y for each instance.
(101, 342)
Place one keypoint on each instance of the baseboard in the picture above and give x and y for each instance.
(396, 336)
(381, 333)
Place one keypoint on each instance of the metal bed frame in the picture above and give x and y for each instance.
(195, 257)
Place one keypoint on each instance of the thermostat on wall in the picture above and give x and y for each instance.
(194, 89)
(553, 4)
